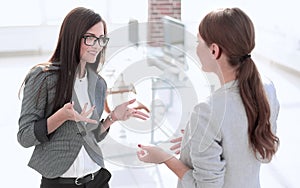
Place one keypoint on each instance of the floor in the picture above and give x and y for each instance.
(126, 170)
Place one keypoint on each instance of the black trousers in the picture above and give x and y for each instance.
(100, 181)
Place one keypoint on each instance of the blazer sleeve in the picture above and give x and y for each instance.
(208, 167)
(32, 122)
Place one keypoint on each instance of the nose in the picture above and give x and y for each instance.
(97, 46)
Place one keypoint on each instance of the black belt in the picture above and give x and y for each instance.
(76, 181)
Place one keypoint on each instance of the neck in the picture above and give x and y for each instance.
(82, 70)
(225, 79)
(226, 75)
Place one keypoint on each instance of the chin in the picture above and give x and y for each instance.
(91, 62)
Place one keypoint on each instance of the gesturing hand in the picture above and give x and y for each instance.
(177, 142)
(152, 154)
(122, 112)
(72, 114)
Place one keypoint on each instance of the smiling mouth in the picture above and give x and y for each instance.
(93, 52)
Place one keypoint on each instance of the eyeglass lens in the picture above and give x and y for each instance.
(91, 40)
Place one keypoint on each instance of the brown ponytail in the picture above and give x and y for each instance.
(257, 108)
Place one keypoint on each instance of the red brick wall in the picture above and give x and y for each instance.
(156, 10)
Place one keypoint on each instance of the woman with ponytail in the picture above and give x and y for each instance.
(231, 133)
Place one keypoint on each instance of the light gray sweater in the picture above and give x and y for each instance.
(215, 144)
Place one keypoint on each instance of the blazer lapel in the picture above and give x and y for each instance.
(92, 81)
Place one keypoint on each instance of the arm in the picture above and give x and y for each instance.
(32, 122)
(34, 126)
(120, 113)
(208, 168)
(177, 166)
(123, 113)
(67, 112)
(154, 154)
(205, 149)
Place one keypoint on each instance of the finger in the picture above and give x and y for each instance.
(139, 116)
(76, 116)
(90, 110)
(92, 121)
(179, 139)
(142, 107)
(141, 155)
(145, 148)
(84, 107)
(130, 102)
(176, 146)
(69, 105)
(177, 152)
(136, 112)
(142, 146)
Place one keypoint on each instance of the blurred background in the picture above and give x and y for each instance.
(28, 35)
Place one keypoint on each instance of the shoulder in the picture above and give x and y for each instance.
(39, 73)
(211, 104)
(100, 81)
(42, 70)
(95, 78)
(215, 103)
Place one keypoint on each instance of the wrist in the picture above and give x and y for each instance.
(168, 159)
(61, 115)
(112, 117)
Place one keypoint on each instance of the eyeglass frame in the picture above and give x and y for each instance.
(101, 37)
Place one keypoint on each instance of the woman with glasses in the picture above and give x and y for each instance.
(62, 104)
(231, 133)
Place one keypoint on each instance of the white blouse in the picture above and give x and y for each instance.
(83, 164)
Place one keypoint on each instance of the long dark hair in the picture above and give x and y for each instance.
(67, 52)
(66, 57)
(233, 31)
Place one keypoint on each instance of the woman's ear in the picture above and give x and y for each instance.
(215, 50)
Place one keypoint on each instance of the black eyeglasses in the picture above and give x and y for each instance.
(90, 40)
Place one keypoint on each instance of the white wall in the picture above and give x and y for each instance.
(32, 25)
(277, 28)
(28, 39)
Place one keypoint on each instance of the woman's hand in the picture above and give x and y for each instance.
(72, 114)
(177, 144)
(122, 112)
(152, 154)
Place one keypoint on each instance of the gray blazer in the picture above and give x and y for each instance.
(215, 143)
(55, 153)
